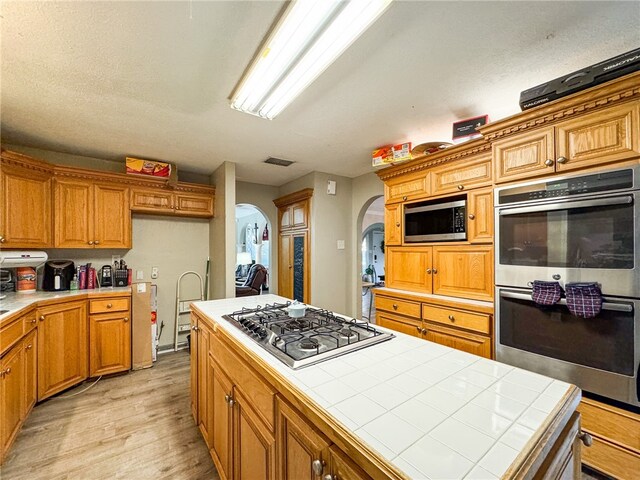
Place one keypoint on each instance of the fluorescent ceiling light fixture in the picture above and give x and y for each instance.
(309, 36)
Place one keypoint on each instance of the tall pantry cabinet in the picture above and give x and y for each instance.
(294, 272)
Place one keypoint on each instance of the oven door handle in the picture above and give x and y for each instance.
(618, 307)
(599, 202)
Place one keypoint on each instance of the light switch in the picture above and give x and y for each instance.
(340, 244)
(331, 187)
(154, 272)
(139, 274)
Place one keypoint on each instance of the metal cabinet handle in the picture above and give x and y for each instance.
(42, 318)
(195, 328)
(561, 160)
(227, 398)
(231, 402)
(548, 162)
(7, 371)
(29, 347)
(460, 187)
(34, 320)
(404, 197)
(290, 266)
(397, 224)
(472, 216)
(452, 318)
(96, 242)
(429, 271)
(435, 270)
(587, 439)
(126, 319)
(328, 476)
(318, 466)
(109, 305)
(90, 242)
(2, 240)
(419, 329)
(424, 331)
(395, 306)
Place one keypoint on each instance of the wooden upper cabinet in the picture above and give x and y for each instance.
(460, 176)
(112, 217)
(299, 213)
(74, 219)
(294, 210)
(597, 138)
(393, 224)
(62, 347)
(25, 208)
(286, 218)
(409, 268)
(147, 200)
(480, 216)
(194, 205)
(406, 187)
(463, 271)
(524, 156)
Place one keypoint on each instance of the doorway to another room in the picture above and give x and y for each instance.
(372, 253)
(253, 251)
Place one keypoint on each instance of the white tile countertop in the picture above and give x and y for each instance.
(432, 411)
(14, 302)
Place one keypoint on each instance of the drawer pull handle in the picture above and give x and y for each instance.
(472, 216)
(96, 242)
(42, 318)
(419, 329)
(90, 242)
(7, 371)
(395, 306)
(429, 271)
(452, 318)
(397, 224)
(404, 197)
(435, 270)
(548, 162)
(109, 305)
(29, 347)
(34, 320)
(587, 440)
(126, 319)
(460, 187)
(562, 160)
(2, 240)
(424, 331)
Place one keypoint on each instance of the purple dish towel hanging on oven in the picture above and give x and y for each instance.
(584, 299)
(546, 293)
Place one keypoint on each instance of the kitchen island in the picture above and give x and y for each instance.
(403, 408)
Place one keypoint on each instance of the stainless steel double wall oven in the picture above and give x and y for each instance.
(572, 229)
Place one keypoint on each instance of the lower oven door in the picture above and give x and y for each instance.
(600, 355)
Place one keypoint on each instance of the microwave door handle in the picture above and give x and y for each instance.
(617, 307)
(599, 202)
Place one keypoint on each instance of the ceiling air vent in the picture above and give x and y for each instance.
(278, 161)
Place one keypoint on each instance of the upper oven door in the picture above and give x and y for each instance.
(588, 240)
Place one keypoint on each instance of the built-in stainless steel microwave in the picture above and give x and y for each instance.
(436, 220)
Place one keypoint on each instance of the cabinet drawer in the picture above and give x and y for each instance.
(459, 177)
(11, 333)
(409, 326)
(457, 318)
(407, 187)
(402, 307)
(611, 423)
(109, 305)
(611, 459)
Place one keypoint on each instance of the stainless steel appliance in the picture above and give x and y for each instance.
(436, 220)
(299, 342)
(58, 275)
(572, 229)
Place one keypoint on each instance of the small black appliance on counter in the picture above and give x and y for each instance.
(106, 279)
(58, 275)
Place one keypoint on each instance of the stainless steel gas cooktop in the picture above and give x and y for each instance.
(299, 342)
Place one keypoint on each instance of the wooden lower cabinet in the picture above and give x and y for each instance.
(109, 343)
(563, 459)
(12, 380)
(409, 268)
(467, 342)
(409, 326)
(220, 389)
(63, 359)
(204, 410)
(30, 347)
(193, 372)
(463, 271)
(342, 467)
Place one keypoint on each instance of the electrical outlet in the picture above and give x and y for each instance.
(114, 259)
(139, 274)
(154, 272)
(340, 244)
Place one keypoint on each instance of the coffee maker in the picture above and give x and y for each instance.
(58, 275)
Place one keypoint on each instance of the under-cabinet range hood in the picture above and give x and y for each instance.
(22, 258)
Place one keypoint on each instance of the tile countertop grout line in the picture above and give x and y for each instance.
(434, 352)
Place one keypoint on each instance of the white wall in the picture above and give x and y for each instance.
(174, 245)
(222, 233)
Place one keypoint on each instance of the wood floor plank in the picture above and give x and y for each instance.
(135, 426)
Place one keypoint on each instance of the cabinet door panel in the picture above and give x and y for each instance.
(480, 217)
(25, 209)
(463, 272)
(467, 342)
(193, 370)
(204, 422)
(151, 201)
(299, 444)
(400, 324)
(342, 467)
(194, 205)
(30, 346)
(524, 156)
(406, 187)
(112, 217)
(408, 268)
(62, 347)
(393, 224)
(73, 215)
(110, 343)
(599, 138)
(254, 444)
(461, 175)
(286, 218)
(220, 387)
(299, 214)
(12, 400)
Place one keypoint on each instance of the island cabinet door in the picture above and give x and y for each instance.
(254, 452)
(193, 353)
(204, 422)
(342, 467)
(220, 391)
(63, 344)
(302, 451)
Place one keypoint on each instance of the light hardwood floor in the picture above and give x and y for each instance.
(135, 426)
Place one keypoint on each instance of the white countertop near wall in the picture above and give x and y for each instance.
(14, 302)
(432, 411)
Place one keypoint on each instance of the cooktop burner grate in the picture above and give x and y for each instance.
(317, 336)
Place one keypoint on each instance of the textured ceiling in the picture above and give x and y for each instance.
(152, 79)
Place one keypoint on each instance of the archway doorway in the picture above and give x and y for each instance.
(371, 262)
(253, 243)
